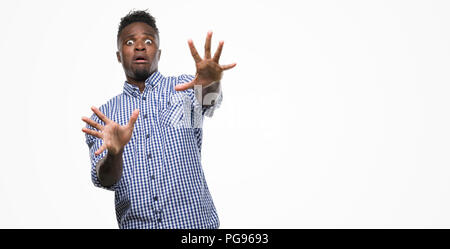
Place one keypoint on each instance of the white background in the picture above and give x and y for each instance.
(336, 116)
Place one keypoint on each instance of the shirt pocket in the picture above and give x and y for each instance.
(173, 112)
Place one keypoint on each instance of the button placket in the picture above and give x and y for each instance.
(144, 108)
(150, 117)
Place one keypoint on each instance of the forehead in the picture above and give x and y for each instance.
(137, 28)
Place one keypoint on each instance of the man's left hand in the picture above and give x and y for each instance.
(208, 69)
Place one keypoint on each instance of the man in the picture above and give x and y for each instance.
(145, 143)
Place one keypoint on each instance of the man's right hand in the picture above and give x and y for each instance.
(114, 136)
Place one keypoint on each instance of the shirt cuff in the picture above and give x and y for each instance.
(211, 103)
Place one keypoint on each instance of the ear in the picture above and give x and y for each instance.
(159, 54)
(118, 57)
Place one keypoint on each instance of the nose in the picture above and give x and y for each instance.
(139, 46)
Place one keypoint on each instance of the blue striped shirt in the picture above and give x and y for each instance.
(163, 184)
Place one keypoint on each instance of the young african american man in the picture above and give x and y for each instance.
(145, 143)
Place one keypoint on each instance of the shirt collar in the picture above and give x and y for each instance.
(151, 82)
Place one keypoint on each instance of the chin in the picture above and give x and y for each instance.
(141, 75)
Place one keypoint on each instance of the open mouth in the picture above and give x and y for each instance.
(140, 59)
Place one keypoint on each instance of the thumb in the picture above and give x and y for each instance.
(133, 118)
(184, 86)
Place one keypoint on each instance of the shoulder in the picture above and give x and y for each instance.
(170, 82)
(180, 79)
(184, 78)
(113, 102)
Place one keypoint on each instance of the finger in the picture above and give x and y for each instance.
(194, 52)
(133, 118)
(92, 123)
(208, 45)
(100, 115)
(92, 132)
(218, 52)
(184, 86)
(100, 150)
(229, 66)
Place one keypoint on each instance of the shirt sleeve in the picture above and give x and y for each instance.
(94, 144)
(211, 101)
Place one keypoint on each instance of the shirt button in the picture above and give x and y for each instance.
(145, 116)
(149, 156)
(147, 136)
(144, 98)
(159, 220)
(153, 177)
(155, 198)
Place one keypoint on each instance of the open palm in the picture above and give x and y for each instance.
(208, 69)
(114, 136)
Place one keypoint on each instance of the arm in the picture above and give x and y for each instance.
(109, 169)
(114, 137)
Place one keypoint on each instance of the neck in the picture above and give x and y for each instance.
(140, 84)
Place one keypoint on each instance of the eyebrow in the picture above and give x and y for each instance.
(145, 33)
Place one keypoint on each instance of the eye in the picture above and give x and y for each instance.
(148, 42)
(130, 42)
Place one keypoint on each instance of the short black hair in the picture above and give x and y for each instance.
(137, 16)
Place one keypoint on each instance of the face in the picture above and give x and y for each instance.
(138, 51)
